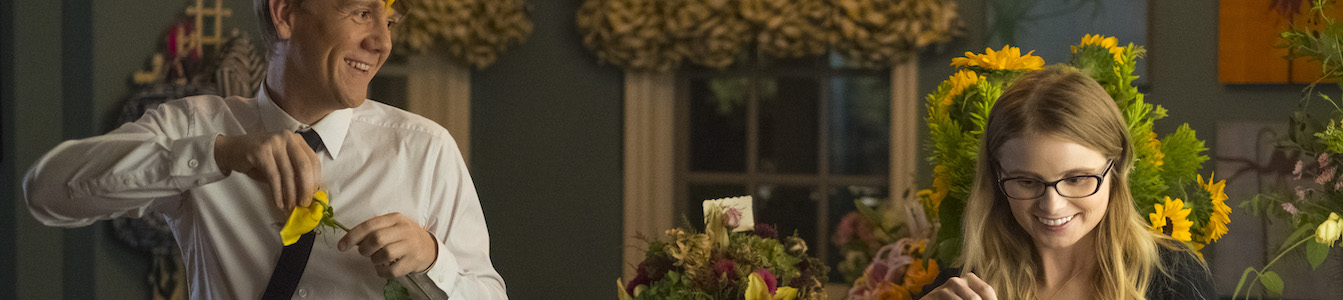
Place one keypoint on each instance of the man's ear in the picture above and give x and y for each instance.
(281, 14)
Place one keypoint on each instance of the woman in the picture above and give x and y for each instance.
(1050, 215)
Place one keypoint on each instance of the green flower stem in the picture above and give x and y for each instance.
(1258, 273)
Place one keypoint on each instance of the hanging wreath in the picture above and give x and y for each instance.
(653, 35)
(632, 34)
(789, 28)
(878, 33)
(709, 32)
(473, 31)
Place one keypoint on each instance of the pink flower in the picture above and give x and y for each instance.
(847, 227)
(1297, 169)
(1326, 175)
(1300, 193)
(1338, 185)
(769, 279)
(732, 218)
(1323, 159)
(1290, 208)
(725, 268)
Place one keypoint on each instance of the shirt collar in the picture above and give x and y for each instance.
(333, 128)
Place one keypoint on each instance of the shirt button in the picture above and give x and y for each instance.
(193, 163)
(126, 182)
(200, 181)
(303, 293)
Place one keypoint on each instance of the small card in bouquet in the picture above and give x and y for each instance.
(741, 203)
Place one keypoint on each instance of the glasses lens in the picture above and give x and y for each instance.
(1076, 187)
(1023, 188)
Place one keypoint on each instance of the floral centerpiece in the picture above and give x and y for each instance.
(1314, 200)
(1165, 181)
(732, 259)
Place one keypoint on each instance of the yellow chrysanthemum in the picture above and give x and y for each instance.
(1009, 58)
(1111, 44)
(1178, 215)
(304, 219)
(1221, 213)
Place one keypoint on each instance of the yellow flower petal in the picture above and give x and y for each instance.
(1178, 215)
(303, 219)
(620, 286)
(756, 288)
(785, 293)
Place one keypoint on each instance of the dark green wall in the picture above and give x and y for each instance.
(546, 144)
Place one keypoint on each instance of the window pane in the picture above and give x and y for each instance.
(790, 208)
(789, 125)
(860, 132)
(841, 204)
(718, 124)
(694, 212)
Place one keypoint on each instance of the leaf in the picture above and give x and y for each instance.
(393, 290)
(1295, 236)
(1315, 253)
(1271, 282)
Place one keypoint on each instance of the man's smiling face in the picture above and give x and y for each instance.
(337, 47)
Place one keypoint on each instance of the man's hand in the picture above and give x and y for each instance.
(281, 159)
(965, 287)
(395, 244)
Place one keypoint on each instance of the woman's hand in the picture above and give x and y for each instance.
(968, 287)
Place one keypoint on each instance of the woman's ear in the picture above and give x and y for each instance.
(281, 13)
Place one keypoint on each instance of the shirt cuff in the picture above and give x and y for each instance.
(441, 278)
(193, 163)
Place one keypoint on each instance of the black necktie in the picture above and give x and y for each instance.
(294, 258)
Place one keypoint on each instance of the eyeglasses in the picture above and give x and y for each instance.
(1022, 188)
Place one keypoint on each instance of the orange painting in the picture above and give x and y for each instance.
(1248, 37)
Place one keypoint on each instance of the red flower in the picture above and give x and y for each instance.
(769, 279)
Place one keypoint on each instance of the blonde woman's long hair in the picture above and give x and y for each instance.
(1068, 105)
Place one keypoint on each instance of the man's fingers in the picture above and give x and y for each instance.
(304, 181)
(286, 170)
(266, 168)
(360, 232)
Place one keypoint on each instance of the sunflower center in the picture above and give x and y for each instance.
(1169, 229)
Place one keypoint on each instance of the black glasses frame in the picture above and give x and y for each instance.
(1100, 179)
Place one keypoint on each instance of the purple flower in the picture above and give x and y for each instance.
(1326, 175)
(725, 268)
(732, 218)
(1290, 208)
(766, 231)
(769, 279)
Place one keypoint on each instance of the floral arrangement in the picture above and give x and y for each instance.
(473, 31)
(880, 265)
(732, 259)
(1165, 181)
(646, 35)
(1312, 203)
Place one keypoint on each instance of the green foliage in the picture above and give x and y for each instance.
(673, 286)
(1315, 254)
(1272, 282)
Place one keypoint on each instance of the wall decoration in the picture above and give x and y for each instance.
(651, 35)
(472, 31)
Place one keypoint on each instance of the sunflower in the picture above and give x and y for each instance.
(959, 82)
(1175, 211)
(1220, 211)
(1009, 58)
(1110, 44)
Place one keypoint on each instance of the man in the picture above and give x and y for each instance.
(226, 173)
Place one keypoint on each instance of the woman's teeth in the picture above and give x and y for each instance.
(1055, 222)
(358, 65)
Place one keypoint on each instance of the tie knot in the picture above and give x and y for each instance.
(314, 141)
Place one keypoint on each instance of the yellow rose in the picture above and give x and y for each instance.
(304, 219)
(1329, 231)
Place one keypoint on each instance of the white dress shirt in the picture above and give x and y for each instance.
(377, 160)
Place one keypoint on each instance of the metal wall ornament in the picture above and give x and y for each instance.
(472, 31)
(657, 35)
